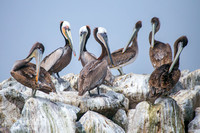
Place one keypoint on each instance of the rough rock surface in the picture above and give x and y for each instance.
(96, 123)
(188, 101)
(107, 104)
(190, 79)
(163, 117)
(12, 104)
(194, 125)
(121, 119)
(72, 79)
(133, 86)
(42, 116)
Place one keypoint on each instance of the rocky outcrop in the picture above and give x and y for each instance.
(133, 86)
(121, 119)
(124, 107)
(14, 95)
(163, 117)
(194, 125)
(190, 79)
(42, 116)
(188, 101)
(12, 104)
(96, 123)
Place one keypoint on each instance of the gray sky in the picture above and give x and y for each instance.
(25, 22)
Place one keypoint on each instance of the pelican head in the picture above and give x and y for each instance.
(66, 31)
(84, 34)
(155, 27)
(138, 25)
(180, 43)
(102, 36)
(36, 52)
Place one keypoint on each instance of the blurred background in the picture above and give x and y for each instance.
(25, 22)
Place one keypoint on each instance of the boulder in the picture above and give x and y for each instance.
(41, 115)
(121, 119)
(194, 125)
(10, 103)
(133, 86)
(93, 122)
(190, 79)
(188, 101)
(163, 117)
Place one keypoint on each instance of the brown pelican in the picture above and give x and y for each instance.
(86, 56)
(159, 52)
(61, 57)
(126, 55)
(93, 73)
(31, 75)
(166, 76)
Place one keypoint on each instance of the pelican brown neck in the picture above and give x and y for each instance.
(155, 27)
(178, 47)
(87, 37)
(103, 52)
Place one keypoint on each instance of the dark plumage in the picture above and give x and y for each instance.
(93, 73)
(61, 57)
(31, 75)
(159, 52)
(165, 77)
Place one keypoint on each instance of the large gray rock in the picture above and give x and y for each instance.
(72, 79)
(133, 86)
(107, 104)
(190, 79)
(194, 125)
(42, 116)
(130, 115)
(163, 117)
(121, 119)
(188, 101)
(11, 105)
(93, 122)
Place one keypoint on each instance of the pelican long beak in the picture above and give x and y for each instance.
(105, 42)
(68, 35)
(180, 48)
(38, 58)
(82, 43)
(153, 34)
(132, 37)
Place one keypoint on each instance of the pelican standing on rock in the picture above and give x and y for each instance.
(61, 57)
(93, 73)
(31, 75)
(159, 52)
(165, 77)
(126, 55)
(86, 56)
